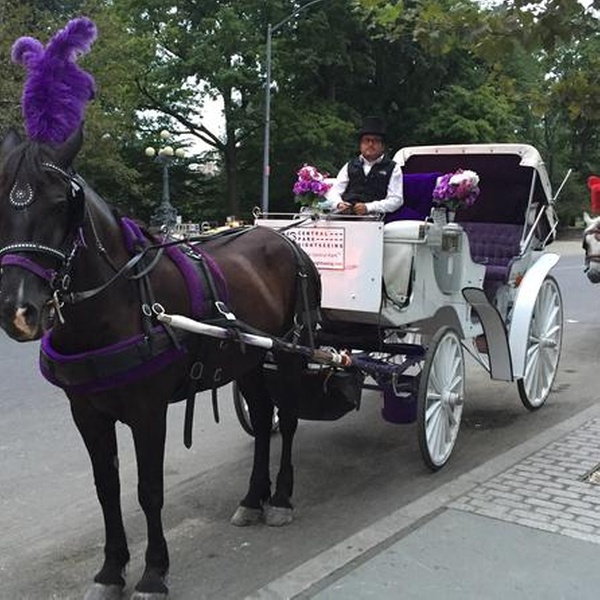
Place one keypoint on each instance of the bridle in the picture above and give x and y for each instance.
(17, 254)
(21, 197)
(60, 279)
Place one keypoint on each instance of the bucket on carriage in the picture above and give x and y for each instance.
(399, 408)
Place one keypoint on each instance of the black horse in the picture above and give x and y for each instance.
(86, 281)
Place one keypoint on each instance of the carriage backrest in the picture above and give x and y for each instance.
(512, 180)
(418, 197)
(493, 245)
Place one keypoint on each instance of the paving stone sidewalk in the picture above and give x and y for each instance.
(552, 490)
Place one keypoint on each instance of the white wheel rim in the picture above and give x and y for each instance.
(445, 399)
(543, 344)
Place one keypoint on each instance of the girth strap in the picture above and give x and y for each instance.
(214, 300)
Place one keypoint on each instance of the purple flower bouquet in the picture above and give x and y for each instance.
(456, 190)
(310, 187)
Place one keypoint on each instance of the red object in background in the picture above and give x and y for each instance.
(593, 183)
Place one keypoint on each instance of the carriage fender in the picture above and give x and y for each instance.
(523, 310)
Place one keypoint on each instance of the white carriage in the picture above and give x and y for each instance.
(413, 293)
(405, 296)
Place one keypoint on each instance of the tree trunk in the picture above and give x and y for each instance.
(231, 157)
(231, 174)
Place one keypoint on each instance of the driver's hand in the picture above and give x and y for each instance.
(344, 207)
(360, 208)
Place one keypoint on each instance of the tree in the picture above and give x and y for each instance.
(204, 50)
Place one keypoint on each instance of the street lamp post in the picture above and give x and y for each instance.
(165, 215)
(271, 29)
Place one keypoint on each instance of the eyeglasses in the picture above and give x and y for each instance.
(371, 139)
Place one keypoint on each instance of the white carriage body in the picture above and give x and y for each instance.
(348, 255)
(414, 273)
(387, 274)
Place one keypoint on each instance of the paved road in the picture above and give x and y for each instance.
(348, 474)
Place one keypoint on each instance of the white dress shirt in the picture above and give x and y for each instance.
(391, 202)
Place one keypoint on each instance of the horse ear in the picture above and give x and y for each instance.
(67, 151)
(587, 219)
(11, 140)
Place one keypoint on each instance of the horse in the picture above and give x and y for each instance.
(591, 246)
(85, 281)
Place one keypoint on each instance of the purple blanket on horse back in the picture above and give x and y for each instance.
(200, 302)
(417, 189)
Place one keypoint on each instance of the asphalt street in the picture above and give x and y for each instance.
(350, 474)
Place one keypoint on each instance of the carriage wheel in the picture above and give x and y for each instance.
(441, 397)
(544, 343)
(243, 413)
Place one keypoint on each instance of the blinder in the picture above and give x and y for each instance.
(75, 196)
(21, 196)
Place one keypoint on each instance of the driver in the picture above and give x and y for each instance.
(371, 182)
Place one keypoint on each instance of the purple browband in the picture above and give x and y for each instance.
(14, 260)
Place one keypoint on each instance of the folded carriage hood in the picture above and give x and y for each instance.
(508, 173)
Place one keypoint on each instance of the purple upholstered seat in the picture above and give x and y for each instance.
(418, 195)
(494, 245)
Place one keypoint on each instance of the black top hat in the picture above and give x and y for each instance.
(372, 126)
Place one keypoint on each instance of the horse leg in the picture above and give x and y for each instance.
(254, 389)
(279, 510)
(149, 433)
(99, 435)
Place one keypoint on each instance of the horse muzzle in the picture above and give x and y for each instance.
(26, 322)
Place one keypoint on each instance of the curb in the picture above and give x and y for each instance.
(298, 582)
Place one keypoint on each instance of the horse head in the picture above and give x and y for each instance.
(41, 210)
(591, 245)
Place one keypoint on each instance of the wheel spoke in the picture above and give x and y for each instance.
(543, 346)
(441, 398)
(432, 410)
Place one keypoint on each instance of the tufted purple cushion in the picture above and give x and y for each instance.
(418, 194)
(494, 245)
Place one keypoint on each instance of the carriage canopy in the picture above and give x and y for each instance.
(515, 187)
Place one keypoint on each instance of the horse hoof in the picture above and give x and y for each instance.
(149, 596)
(100, 591)
(277, 516)
(245, 516)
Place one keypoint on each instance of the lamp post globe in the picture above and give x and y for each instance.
(165, 215)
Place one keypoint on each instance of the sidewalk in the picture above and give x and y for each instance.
(523, 526)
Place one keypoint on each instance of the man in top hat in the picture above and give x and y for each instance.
(371, 182)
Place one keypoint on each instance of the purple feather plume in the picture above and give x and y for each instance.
(56, 89)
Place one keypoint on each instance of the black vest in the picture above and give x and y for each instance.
(372, 187)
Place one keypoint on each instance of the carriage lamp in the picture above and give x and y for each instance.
(451, 238)
(165, 216)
